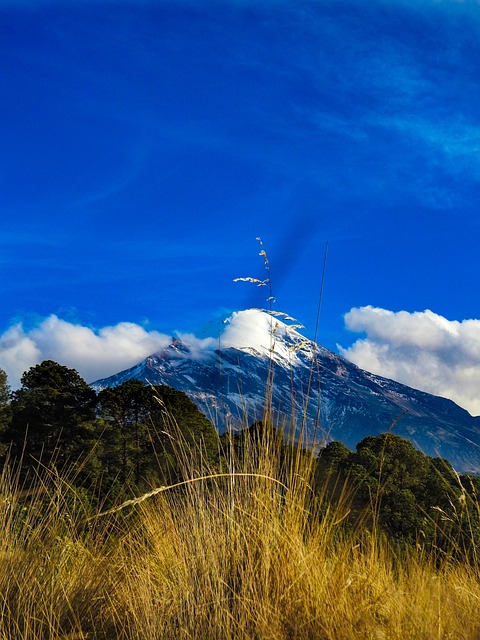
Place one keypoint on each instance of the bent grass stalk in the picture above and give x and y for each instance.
(154, 492)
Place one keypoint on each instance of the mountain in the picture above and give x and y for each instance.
(226, 376)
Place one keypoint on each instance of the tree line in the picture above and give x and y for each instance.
(120, 440)
(134, 437)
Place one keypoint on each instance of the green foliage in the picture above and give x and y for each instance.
(191, 425)
(4, 389)
(414, 498)
(145, 431)
(52, 414)
(253, 439)
(332, 458)
(125, 412)
(5, 397)
(126, 439)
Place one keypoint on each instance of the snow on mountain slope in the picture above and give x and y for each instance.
(226, 376)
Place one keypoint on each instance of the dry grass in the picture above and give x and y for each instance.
(252, 556)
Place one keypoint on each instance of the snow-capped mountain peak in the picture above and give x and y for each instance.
(262, 331)
(226, 376)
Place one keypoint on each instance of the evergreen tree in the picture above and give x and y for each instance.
(125, 411)
(411, 496)
(149, 431)
(53, 415)
(5, 412)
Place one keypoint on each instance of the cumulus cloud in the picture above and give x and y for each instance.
(422, 349)
(98, 353)
(251, 328)
(93, 353)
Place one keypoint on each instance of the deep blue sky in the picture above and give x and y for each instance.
(146, 144)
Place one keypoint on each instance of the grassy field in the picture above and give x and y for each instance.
(251, 553)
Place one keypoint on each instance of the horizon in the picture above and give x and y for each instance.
(148, 144)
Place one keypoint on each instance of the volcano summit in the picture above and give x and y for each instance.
(226, 376)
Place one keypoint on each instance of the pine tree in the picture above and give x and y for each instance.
(53, 415)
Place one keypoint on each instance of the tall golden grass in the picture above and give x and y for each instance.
(251, 553)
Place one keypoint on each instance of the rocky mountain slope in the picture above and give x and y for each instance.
(334, 399)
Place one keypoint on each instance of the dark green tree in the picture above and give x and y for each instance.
(5, 410)
(150, 433)
(412, 497)
(126, 413)
(183, 439)
(251, 440)
(53, 415)
(332, 459)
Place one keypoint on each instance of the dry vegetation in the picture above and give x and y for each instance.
(240, 556)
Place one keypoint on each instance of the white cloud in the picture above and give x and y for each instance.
(251, 328)
(422, 349)
(94, 354)
(199, 347)
(98, 353)
(17, 353)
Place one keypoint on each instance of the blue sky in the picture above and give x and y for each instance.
(146, 144)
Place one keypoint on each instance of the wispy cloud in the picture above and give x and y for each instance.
(422, 349)
(457, 140)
